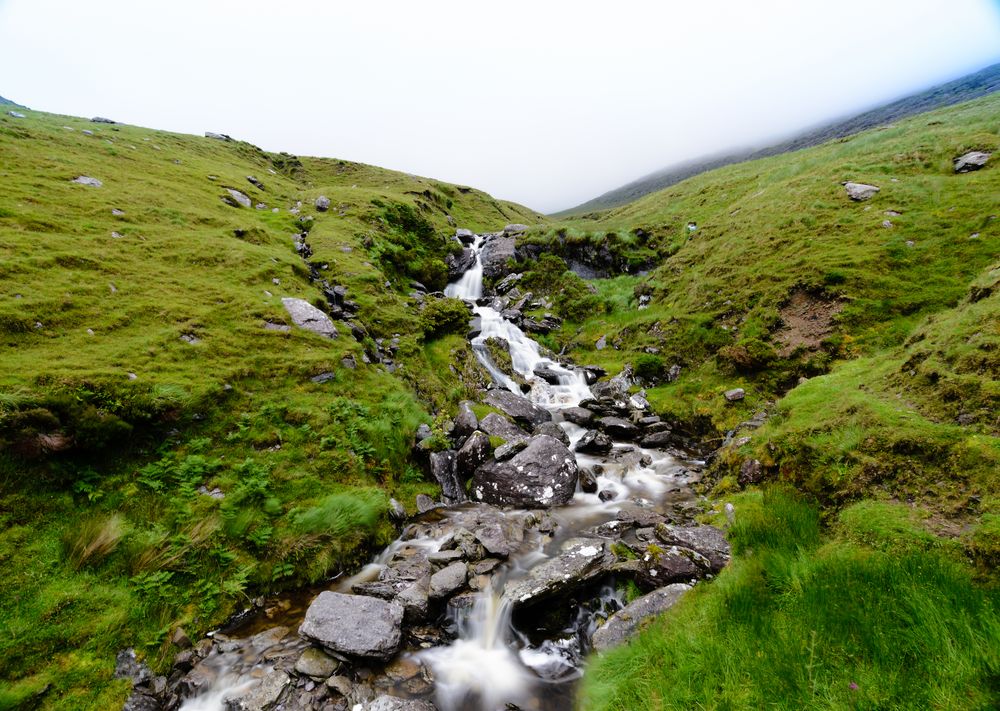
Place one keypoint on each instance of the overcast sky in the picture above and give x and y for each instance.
(544, 102)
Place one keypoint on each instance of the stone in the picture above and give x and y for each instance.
(509, 449)
(588, 481)
(543, 474)
(442, 465)
(658, 440)
(397, 510)
(673, 373)
(751, 472)
(180, 639)
(546, 372)
(520, 409)
(87, 180)
(459, 263)
(609, 494)
(317, 663)
(356, 625)
(394, 703)
(674, 564)
(262, 697)
(496, 252)
(127, 666)
(860, 192)
(578, 416)
(507, 283)
(474, 452)
(255, 182)
(552, 430)
(241, 199)
(498, 426)
(626, 622)
(973, 160)
(16, 114)
(601, 343)
(340, 684)
(425, 503)
(448, 580)
(305, 315)
(619, 428)
(709, 541)
(515, 229)
(594, 442)
(579, 560)
(735, 394)
(101, 119)
(465, 421)
(465, 236)
(217, 136)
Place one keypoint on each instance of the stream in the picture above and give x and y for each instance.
(483, 647)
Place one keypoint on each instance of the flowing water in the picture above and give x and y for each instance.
(495, 660)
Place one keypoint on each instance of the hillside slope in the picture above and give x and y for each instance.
(981, 83)
(170, 442)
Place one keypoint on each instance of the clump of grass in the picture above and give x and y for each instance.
(91, 541)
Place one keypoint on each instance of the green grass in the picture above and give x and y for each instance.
(804, 620)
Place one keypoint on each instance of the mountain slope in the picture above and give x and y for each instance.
(966, 88)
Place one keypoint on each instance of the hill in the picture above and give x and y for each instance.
(170, 440)
(966, 88)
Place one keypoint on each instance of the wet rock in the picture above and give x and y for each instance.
(546, 372)
(543, 474)
(472, 455)
(588, 481)
(414, 599)
(425, 503)
(465, 421)
(354, 624)
(662, 566)
(552, 430)
(522, 410)
(860, 191)
(87, 180)
(465, 236)
(307, 316)
(658, 440)
(496, 252)
(394, 703)
(625, 623)
(464, 541)
(594, 442)
(448, 580)
(317, 663)
(580, 560)
(442, 465)
(578, 416)
(609, 494)
(709, 541)
(262, 697)
(973, 160)
(459, 263)
(619, 428)
(735, 394)
(322, 203)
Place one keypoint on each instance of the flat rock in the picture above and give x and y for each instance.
(624, 623)
(578, 416)
(580, 560)
(354, 624)
(709, 541)
(315, 662)
(619, 428)
(520, 409)
(860, 191)
(973, 160)
(543, 474)
(240, 197)
(305, 315)
(448, 579)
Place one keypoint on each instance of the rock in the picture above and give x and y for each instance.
(661, 566)
(709, 541)
(496, 252)
(859, 191)
(673, 373)
(735, 394)
(340, 684)
(552, 430)
(101, 119)
(515, 229)
(180, 639)
(619, 428)
(459, 263)
(425, 503)
(324, 377)
(609, 494)
(354, 624)
(507, 283)
(509, 449)
(546, 372)
(128, 667)
(973, 160)
(522, 410)
(580, 560)
(87, 180)
(474, 452)
(442, 465)
(448, 580)
(394, 703)
(594, 442)
(241, 199)
(397, 510)
(217, 136)
(624, 623)
(262, 697)
(465, 236)
(638, 402)
(578, 416)
(16, 114)
(658, 440)
(498, 426)
(750, 472)
(588, 481)
(307, 316)
(138, 701)
(543, 474)
(601, 343)
(315, 662)
(322, 203)
(465, 421)
(424, 431)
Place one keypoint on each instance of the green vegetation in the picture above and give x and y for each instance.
(165, 455)
(873, 616)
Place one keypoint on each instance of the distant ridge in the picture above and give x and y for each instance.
(8, 102)
(966, 88)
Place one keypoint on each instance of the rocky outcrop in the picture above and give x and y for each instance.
(498, 250)
(543, 474)
(459, 263)
(624, 623)
(355, 625)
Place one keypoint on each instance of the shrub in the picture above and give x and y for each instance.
(443, 316)
(650, 367)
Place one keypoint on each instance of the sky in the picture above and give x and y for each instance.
(547, 103)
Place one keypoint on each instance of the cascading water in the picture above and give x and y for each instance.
(494, 663)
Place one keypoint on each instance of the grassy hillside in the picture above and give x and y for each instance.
(866, 337)
(165, 453)
(973, 86)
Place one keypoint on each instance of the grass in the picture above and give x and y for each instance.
(136, 377)
(806, 620)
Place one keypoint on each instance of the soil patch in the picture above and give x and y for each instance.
(806, 320)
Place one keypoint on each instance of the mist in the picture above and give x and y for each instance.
(547, 104)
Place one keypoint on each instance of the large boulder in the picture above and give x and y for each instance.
(594, 442)
(459, 263)
(522, 410)
(624, 623)
(578, 416)
(465, 421)
(662, 566)
(496, 252)
(498, 426)
(356, 625)
(307, 316)
(472, 455)
(973, 160)
(544, 474)
(442, 466)
(619, 428)
(465, 236)
(580, 560)
(860, 192)
(709, 541)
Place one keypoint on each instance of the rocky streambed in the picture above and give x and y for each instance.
(492, 597)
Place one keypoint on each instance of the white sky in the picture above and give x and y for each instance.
(548, 103)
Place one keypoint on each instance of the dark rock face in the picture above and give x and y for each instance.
(497, 426)
(619, 428)
(465, 421)
(543, 474)
(442, 466)
(661, 566)
(624, 623)
(578, 416)
(474, 452)
(460, 263)
(708, 541)
(552, 430)
(520, 409)
(496, 252)
(658, 440)
(588, 481)
(354, 624)
(594, 442)
(465, 236)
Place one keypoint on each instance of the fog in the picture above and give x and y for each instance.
(545, 103)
